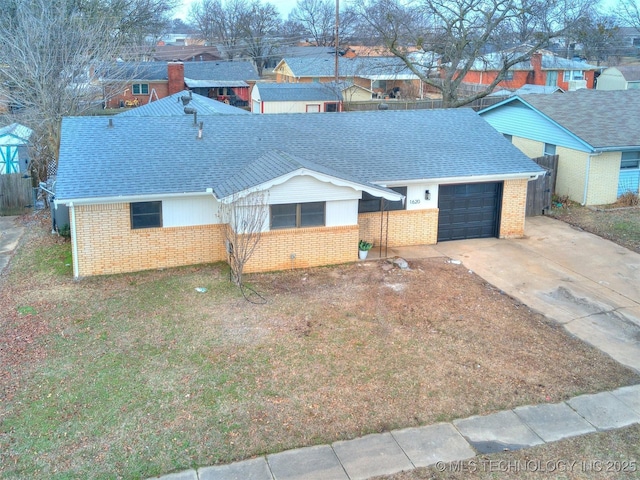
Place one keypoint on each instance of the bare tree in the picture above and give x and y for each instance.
(318, 17)
(260, 26)
(220, 23)
(50, 54)
(454, 34)
(245, 218)
(629, 13)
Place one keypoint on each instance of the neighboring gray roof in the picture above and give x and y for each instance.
(495, 60)
(172, 106)
(527, 90)
(161, 155)
(135, 71)
(191, 83)
(364, 67)
(599, 117)
(221, 71)
(631, 73)
(295, 92)
(15, 134)
(211, 70)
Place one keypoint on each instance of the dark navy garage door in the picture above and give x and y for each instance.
(469, 211)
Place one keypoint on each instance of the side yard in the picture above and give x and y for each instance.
(620, 225)
(141, 374)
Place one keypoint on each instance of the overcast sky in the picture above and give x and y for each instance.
(283, 6)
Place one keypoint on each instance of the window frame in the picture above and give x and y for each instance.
(300, 221)
(635, 159)
(549, 147)
(573, 75)
(140, 87)
(145, 215)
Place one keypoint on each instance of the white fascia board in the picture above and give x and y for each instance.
(467, 179)
(129, 198)
(393, 196)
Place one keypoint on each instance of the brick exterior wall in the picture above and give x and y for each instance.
(107, 245)
(531, 148)
(312, 247)
(604, 175)
(514, 205)
(405, 227)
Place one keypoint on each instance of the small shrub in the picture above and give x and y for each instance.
(364, 245)
(628, 199)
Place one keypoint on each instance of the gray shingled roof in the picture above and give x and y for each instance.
(211, 70)
(631, 73)
(295, 92)
(161, 155)
(364, 67)
(172, 106)
(600, 118)
(222, 71)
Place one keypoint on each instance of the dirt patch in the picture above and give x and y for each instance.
(167, 378)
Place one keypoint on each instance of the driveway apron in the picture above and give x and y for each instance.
(588, 284)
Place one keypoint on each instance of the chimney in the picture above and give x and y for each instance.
(536, 65)
(175, 72)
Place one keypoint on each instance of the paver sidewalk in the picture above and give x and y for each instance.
(401, 450)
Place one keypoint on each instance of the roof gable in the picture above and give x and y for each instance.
(15, 134)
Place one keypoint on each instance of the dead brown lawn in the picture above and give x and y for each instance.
(166, 378)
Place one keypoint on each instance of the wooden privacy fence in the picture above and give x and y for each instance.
(540, 191)
(426, 104)
(16, 194)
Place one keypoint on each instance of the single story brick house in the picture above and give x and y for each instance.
(595, 133)
(390, 177)
(140, 83)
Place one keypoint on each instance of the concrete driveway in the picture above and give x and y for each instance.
(588, 284)
(10, 234)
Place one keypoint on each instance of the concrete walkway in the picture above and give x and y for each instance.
(588, 284)
(10, 234)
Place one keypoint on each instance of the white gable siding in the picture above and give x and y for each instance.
(520, 121)
(189, 211)
(308, 189)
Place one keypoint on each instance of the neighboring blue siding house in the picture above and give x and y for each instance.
(596, 135)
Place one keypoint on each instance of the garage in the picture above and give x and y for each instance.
(469, 210)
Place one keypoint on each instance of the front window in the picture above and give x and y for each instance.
(298, 215)
(630, 160)
(140, 89)
(146, 215)
(508, 75)
(370, 203)
(330, 107)
(573, 75)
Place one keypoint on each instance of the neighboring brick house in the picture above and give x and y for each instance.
(145, 192)
(181, 103)
(543, 68)
(140, 83)
(596, 135)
